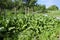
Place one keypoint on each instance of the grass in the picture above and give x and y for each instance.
(54, 13)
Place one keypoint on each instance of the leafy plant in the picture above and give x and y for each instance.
(29, 27)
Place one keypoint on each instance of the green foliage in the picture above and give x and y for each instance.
(16, 26)
(29, 27)
(53, 7)
(10, 4)
(41, 8)
(29, 3)
(54, 13)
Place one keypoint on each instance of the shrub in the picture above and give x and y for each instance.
(29, 27)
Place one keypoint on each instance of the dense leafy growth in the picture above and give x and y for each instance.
(29, 27)
(18, 21)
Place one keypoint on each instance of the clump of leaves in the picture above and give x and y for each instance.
(29, 27)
